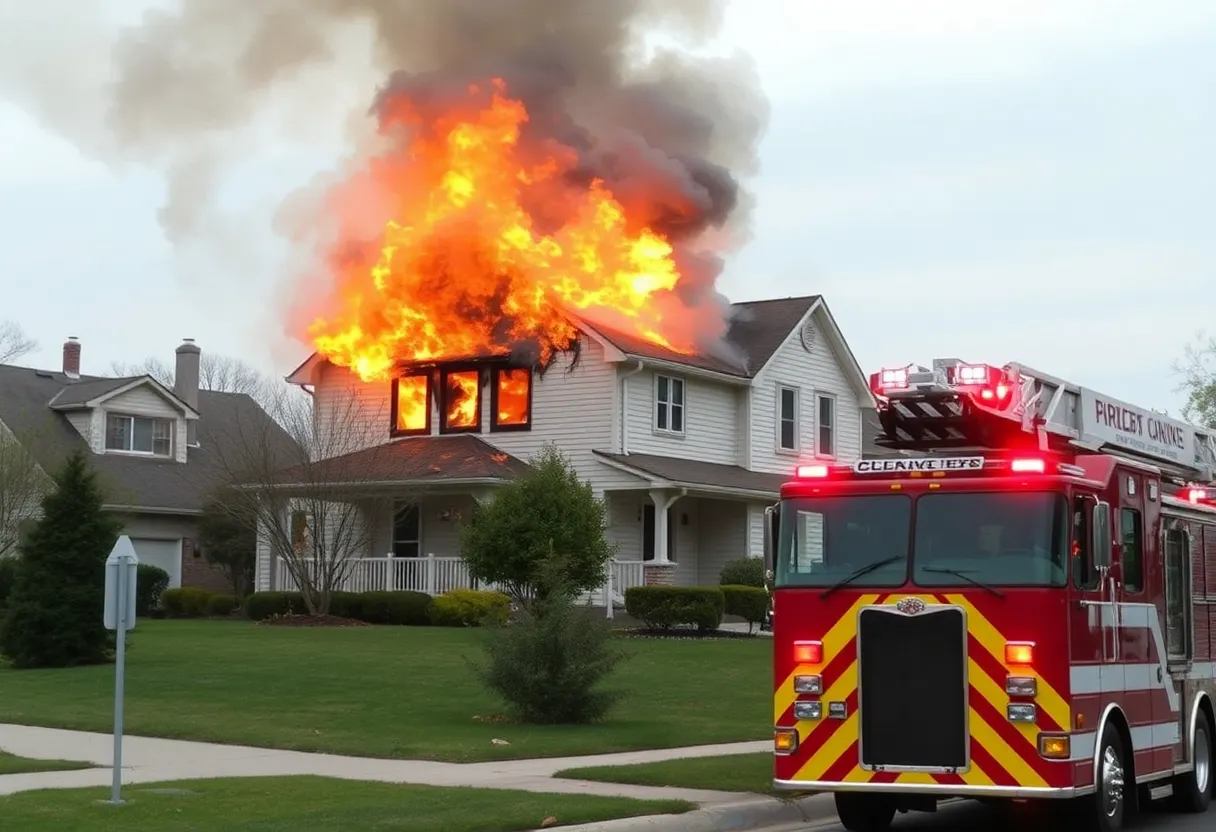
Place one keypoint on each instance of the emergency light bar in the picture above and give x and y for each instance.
(939, 466)
(990, 385)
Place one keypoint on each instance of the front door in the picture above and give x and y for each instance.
(1179, 636)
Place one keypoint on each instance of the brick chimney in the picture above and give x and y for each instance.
(185, 382)
(71, 357)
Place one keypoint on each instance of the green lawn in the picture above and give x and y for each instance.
(404, 692)
(732, 773)
(12, 764)
(309, 804)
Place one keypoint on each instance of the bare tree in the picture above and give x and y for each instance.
(299, 482)
(14, 343)
(22, 486)
(1198, 371)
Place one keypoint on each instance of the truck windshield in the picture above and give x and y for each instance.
(956, 539)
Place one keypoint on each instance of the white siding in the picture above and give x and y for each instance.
(723, 536)
(142, 400)
(755, 530)
(820, 371)
(439, 537)
(350, 414)
(624, 525)
(711, 430)
(88, 424)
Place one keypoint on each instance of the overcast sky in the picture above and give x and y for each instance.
(992, 181)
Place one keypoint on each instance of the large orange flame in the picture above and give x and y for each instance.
(464, 270)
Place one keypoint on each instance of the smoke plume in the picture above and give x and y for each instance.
(198, 89)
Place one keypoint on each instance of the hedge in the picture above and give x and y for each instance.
(263, 605)
(470, 608)
(664, 607)
(742, 572)
(410, 609)
(187, 602)
(747, 602)
(150, 583)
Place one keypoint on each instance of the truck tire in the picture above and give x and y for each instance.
(1193, 790)
(864, 812)
(1104, 810)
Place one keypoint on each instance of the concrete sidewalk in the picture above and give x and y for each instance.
(148, 760)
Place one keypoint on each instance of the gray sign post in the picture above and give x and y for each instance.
(119, 616)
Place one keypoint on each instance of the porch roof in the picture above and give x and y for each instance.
(420, 460)
(702, 476)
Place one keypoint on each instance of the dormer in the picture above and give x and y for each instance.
(137, 417)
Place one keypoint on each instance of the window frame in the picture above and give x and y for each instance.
(820, 398)
(407, 506)
(495, 374)
(796, 418)
(1137, 518)
(670, 406)
(441, 397)
(131, 418)
(393, 430)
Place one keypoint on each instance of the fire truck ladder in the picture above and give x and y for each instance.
(956, 406)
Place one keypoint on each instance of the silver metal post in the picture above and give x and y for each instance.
(120, 636)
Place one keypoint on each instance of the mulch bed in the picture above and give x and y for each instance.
(311, 621)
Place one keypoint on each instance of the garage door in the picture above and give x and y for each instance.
(167, 554)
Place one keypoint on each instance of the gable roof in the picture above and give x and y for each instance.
(91, 392)
(690, 473)
(147, 484)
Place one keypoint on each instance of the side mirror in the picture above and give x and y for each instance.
(772, 520)
(1102, 536)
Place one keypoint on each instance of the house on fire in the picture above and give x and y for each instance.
(686, 450)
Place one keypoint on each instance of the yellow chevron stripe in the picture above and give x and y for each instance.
(839, 691)
(976, 776)
(1020, 770)
(995, 694)
(994, 642)
(827, 754)
(841, 633)
(919, 777)
(858, 775)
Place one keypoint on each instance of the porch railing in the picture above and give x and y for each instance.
(437, 575)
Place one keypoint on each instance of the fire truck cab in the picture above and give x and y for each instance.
(1016, 604)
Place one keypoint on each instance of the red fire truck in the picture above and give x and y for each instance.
(1016, 601)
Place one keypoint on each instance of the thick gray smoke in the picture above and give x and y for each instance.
(669, 132)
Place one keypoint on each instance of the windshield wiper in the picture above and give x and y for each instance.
(865, 570)
(942, 570)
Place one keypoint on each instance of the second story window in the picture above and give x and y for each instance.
(460, 407)
(825, 423)
(511, 399)
(787, 419)
(411, 405)
(139, 435)
(668, 404)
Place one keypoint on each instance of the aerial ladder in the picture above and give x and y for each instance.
(957, 406)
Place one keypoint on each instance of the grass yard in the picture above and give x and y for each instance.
(732, 773)
(309, 804)
(12, 764)
(404, 692)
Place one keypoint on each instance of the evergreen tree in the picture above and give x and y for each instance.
(54, 615)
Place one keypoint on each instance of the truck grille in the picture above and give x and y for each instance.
(912, 688)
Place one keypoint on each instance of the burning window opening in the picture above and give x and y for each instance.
(412, 404)
(512, 398)
(461, 402)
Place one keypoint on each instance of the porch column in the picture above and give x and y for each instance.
(661, 571)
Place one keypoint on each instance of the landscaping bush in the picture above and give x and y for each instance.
(410, 609)
(8, 574)
(664, 607)
(150, 583)
(748, 602)
(187, 602)
(347, 604)
(469, 608)
(221, 605)
(743, 572)
(549, 665)
(262, 605)
(55, 607)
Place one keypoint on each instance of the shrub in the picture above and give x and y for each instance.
(743, 572)
(550, 664)
(55, 607)
(222, 605)
(8, 574)
(150, 582)
(664, 607)
(187, 602)
(469, 608)
(347, 604)
(748, 602)
(262, 605)
(411, 609)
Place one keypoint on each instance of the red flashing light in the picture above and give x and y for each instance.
(812, 472)
(1196, 495)
(1028, 466)
(1019, 652)
(808, 652)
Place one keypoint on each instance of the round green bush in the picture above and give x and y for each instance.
(409, 609)
(187, 602)
(150, 583)
(743, 572)
(664, 607)
(747, 602)
(262, 605)
(470, 608)
(222, 605)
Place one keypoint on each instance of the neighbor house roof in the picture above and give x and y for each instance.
(689, 473)
(149, 484)
(419, 460)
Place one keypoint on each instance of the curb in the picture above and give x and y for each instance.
(745, 815)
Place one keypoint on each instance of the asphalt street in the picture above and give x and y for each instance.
(968, 816)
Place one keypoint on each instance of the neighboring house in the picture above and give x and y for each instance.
(687, 450)
(154, 448)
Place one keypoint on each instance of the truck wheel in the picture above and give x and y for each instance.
(864, 812)
(1193, 790)
(1105, 809)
